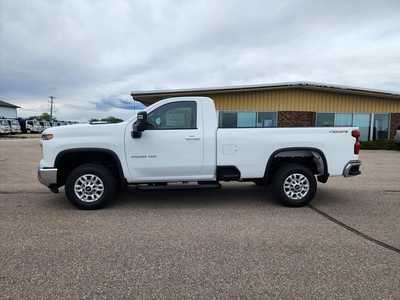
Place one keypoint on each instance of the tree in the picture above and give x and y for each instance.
(45, 116)
(107, 120)
(112, 120)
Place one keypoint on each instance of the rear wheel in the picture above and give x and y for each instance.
(295, 185)
(90, 186)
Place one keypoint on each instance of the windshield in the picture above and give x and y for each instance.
(14, 122)
(3, 122)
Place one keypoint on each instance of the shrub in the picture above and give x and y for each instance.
(380, 145)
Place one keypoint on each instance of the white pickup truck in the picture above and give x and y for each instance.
(178, 140)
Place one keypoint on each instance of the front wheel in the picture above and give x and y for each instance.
(90, 186)
(295, 185)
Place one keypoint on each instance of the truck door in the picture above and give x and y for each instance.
(171, 147)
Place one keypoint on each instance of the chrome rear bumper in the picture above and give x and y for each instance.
(47, 176)
(352, 168)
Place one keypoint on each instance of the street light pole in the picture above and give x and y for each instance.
(51, 106)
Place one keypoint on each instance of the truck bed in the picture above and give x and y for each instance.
(250, 148)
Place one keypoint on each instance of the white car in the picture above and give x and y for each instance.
(14, 125)
(4, 127)
(45, 124)
(178, 140)
(33, 126)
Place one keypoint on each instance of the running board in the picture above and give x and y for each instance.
(180, 186)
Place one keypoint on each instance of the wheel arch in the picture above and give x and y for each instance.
(85, 155)
(317, 156)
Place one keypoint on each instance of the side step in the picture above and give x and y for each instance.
(180, 186)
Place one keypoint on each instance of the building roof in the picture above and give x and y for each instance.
(6, 104)
(148, 97)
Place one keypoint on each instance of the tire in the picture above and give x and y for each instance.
(294, 185)
(90, 186)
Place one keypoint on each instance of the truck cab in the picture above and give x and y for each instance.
(178, 140)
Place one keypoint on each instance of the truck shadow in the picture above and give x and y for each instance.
(228, 195)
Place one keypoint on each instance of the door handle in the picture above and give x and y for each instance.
(192, 138)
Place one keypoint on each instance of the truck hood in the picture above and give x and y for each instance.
(86, 129)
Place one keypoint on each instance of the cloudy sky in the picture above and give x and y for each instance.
(91, 54)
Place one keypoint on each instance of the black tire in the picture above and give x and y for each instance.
(106, 178)
(297, 199)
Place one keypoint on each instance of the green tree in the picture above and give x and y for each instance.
(112, 120)
(45, 116)
(107, 120)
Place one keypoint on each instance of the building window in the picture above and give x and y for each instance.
(246, 119)
(325, 120)
(266, 119)
(228, 119)
(381, 127)
(344, 120)
(362, 121)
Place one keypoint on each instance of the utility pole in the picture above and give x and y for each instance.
(51, 106)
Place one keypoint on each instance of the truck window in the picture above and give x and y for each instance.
(176, 115)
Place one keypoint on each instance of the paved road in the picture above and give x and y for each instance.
(228, 243)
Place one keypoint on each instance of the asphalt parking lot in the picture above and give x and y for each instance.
(236, 242)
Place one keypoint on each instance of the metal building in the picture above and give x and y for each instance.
(8, 110)
(298, 104)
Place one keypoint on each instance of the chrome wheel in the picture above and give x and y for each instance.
(296, 186)
(89, 188)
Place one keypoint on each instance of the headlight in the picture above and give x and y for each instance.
(47, 136)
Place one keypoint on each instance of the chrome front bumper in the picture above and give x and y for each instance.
(352, 168)
(47, 176)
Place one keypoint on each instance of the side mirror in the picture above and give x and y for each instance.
(142, 116)
(140, 125)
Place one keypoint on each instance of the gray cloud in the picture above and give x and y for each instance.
(91, 53)
(109, 103)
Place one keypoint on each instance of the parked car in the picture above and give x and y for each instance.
(33, 126)
(57, 123)
(45, 124)
(14, 126)
(4, 127)
(177, 140)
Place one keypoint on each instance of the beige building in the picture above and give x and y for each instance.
(298, 104)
